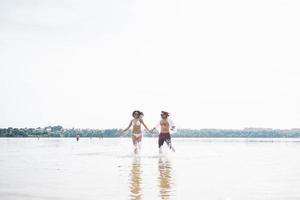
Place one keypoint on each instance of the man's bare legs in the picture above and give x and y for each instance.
(170, 145)
(165, 137)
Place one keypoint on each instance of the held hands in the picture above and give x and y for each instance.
(151, 131)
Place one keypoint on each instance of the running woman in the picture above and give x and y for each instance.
(136, 124)
(165, 126)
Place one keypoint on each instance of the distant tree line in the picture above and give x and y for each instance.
(59, 131)
(56, 131)
(243, 133)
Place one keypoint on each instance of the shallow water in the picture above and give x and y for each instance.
(61, 168)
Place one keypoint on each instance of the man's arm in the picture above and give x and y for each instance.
(171, 125)
(156, 127)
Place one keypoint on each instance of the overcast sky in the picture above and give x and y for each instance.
(89, 64)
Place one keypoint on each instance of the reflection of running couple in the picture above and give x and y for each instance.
(165, 179)
(165, 126)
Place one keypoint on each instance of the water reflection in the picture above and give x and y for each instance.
(135, 182)
(165, 181)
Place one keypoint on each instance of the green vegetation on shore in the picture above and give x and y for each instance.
(59, 131)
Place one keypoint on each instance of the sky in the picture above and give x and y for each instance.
(89, 64)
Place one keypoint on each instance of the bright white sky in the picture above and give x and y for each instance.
(89, 64)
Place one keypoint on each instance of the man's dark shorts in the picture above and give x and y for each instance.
(164, 137)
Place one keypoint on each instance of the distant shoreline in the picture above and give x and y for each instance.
(47, 137)
(60, 132)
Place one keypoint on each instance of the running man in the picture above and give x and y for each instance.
(164, 126)
(136, 124)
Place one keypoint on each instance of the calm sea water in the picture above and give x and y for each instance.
(217, 169)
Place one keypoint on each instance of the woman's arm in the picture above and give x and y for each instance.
(130, 123)
(145, 125)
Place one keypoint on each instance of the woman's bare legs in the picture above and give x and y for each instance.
(139, 140)
(136, 143)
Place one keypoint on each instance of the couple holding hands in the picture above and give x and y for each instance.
(164, 126)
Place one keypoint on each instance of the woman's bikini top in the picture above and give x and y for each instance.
(136, 123)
